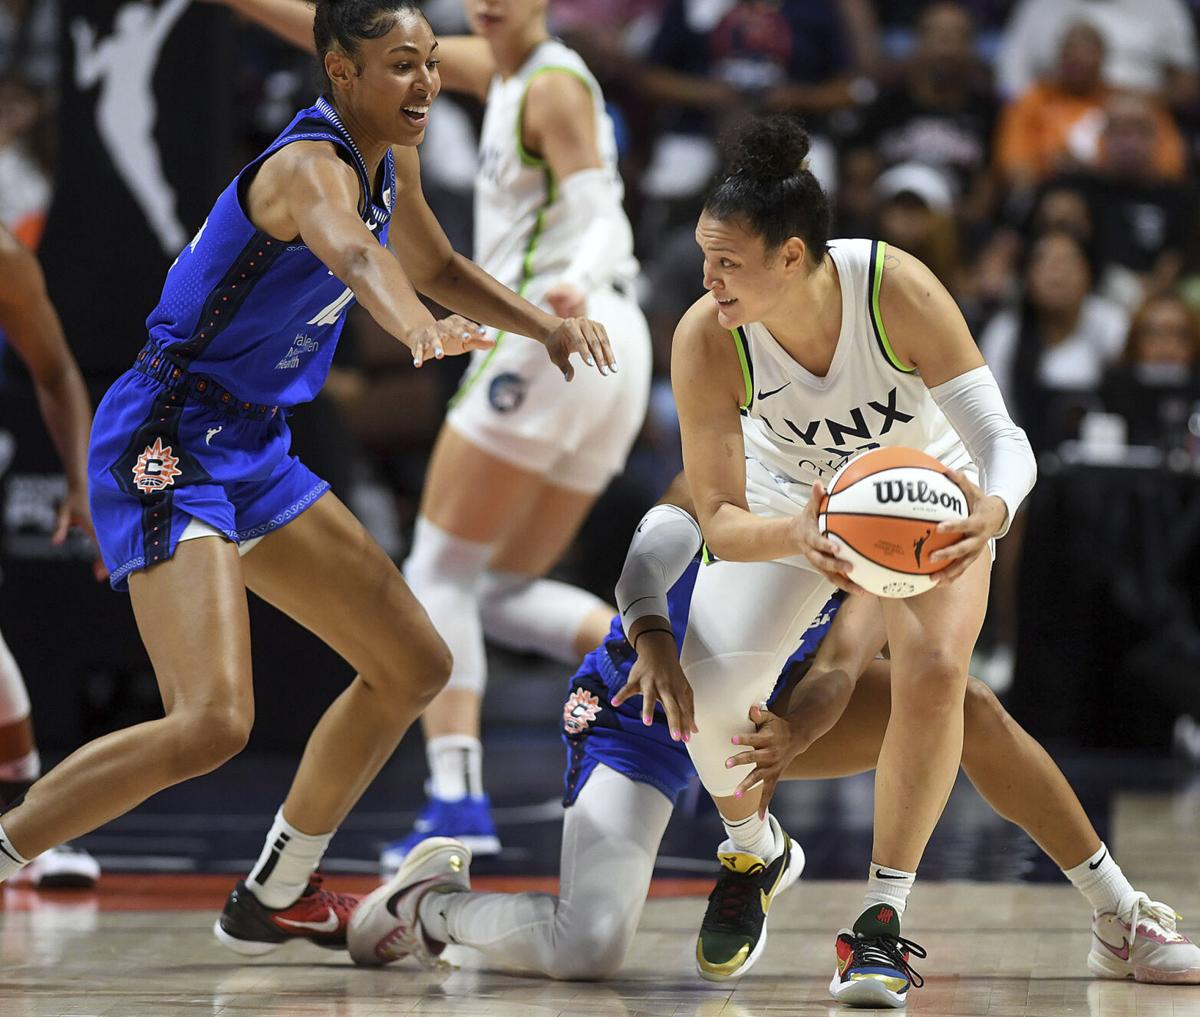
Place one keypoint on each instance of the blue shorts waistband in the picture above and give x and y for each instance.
(165, 368)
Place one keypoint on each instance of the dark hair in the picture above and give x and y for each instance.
(767, 185)
(343, 24)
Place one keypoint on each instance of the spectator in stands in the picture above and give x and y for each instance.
(1156, 385)
(1050, 352)
(916, 213)
(942, 113)
(1057, 124)
(1150, 44)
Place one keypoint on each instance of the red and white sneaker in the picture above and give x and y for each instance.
(387, 924)
(250, 928)
(62, 867)
(1139, 941)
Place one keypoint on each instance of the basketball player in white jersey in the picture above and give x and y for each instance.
(804, 352)
(521, 458)
(31, 326)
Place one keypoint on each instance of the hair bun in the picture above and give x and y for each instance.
(767, 148)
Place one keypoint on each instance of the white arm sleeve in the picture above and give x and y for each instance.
(665, 541)
(973, 405)
(606, 241)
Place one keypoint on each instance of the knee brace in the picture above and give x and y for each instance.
(542, 615)
(444, 573)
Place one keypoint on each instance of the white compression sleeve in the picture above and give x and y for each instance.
(665, 541)
(975, 408)
(606, 240)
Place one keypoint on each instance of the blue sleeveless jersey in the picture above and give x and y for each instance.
(260, 316)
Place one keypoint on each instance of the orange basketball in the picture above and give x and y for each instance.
(882, 510)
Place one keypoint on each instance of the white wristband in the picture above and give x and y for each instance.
(665, 542)
(975, 408)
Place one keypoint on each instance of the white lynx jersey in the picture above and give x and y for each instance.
(798, 427)
(522, 234)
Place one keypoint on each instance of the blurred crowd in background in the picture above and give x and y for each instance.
(1038, 155)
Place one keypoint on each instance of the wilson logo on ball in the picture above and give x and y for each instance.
(921, 493)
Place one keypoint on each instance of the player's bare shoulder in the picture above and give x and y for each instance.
(297, 172)
(703, 352)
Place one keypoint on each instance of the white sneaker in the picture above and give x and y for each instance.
(60, 867)
(386, 924)
(1139, 941)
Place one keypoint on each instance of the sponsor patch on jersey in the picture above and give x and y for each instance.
(507, 392)
(580, 709)
(300, 345)
(156, 468)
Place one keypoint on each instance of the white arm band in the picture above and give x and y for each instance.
(605, 239)
(975, 408)
(665, 541)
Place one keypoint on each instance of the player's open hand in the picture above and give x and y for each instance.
(819, 550)
(585, 337)
(74, 513)
(566, 300)
(449, 337)
(769, 749)
(657, 677)
(986, 516)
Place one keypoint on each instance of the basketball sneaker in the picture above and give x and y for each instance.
(1139, 941)
(872, 961)
(251, 928)
(734, 931)
(62, 867)
(467, 820)
(387, 926)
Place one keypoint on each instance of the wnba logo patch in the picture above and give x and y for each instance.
(580, 709)
(156, 468)
(506, 392)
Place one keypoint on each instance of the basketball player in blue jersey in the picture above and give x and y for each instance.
(626, 765)
(190, 470)
(30, 325)
(549, 221)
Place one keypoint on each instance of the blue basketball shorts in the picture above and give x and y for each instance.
(594, 731)
(168, 448)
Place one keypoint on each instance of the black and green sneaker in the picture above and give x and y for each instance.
(734, 930)
(873, 967)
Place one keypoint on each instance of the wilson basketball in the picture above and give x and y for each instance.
(882, 510)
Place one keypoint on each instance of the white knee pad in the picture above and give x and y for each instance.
(14, 700)
(723, 690)
(444, 573)
(542, 615)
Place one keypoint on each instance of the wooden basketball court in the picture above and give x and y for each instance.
(141, 946)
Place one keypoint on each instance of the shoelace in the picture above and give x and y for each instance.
(1154, 910)
(730, 901)
(888, 951)
(339, 901)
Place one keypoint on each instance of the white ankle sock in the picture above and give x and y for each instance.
(754, 836)
(11, 860)
(288, 859)
(888, 886)
(1100, 880)
(455, 766)
(26, 767)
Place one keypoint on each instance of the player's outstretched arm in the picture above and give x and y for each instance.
(664, 543)
(306, 189)
(33, 328)
(459, 284)
(466, 62)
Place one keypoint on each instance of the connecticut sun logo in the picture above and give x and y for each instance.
(580, 709)
(156, 468)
